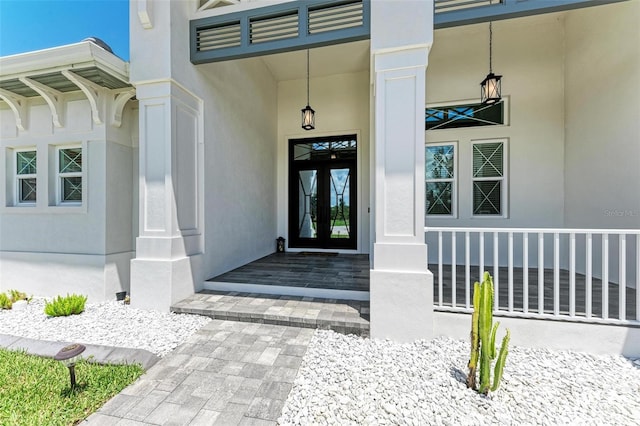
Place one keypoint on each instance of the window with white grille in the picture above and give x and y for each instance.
(26, 181)
(440, 179)
(69, 167)
(489, 177)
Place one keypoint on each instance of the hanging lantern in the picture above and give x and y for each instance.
(308, 118)
(490, 89)
(491, 86)
(308, 114)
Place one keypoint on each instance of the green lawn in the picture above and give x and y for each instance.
(36, 391)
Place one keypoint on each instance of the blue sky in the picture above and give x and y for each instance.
(27, 25)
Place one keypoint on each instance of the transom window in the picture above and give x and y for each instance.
(328, 148)
(70, 175)
(26, 182)
(464, 115)
(440, 179)
(489, 178)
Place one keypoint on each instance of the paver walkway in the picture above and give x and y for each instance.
(228, 373)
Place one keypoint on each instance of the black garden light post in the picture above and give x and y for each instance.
(69, 355)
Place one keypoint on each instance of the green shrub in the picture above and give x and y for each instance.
(18, 295)
(64, 306)
(5, 302)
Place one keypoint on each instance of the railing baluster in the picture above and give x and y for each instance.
(440, 271)
(553, 263)
(589, 275)
(556, 273)
(525, 272)
(467, 269)
(622, 277)
(605, 276)
(453, 269)
(572, 274)
(496, 268)
(540, 272)
(510, 266)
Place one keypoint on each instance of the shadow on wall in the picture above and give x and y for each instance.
(631, 346)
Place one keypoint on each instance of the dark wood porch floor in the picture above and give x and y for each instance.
(310, 270)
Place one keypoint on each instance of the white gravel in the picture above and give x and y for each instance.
(347, 380)
(108, 323)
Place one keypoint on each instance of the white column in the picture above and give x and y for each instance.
(167, 267)
(401, 285)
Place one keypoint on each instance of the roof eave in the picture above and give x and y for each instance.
(78, 55)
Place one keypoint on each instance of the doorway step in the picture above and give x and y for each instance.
(342, 316)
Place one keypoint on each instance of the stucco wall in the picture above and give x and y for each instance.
(529, 54)
(240, 163)
(602, 82)
(50, 249)
(573, 95)
(341, 103)
(239, 135)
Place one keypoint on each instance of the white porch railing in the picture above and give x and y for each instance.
(587, 275)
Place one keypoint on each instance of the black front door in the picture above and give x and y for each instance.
(322, 193)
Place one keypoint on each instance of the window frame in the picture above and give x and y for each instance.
(59, 176)
(453, 180)
(19, 177)
(468, 102)
(504, 179)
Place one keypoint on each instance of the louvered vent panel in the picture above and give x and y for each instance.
(274, 28)
(452, 5)
(219, 37)
(339, 17)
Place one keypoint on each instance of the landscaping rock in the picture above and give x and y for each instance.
(108, 323)
(348, 380)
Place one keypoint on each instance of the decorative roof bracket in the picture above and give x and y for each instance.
(145, 13)
(91, 90)
(51, 96)
(18, 105)
(119, 103)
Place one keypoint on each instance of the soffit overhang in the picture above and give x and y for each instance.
(85, 59)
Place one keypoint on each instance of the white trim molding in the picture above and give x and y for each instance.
(18, 105)
(53, 98)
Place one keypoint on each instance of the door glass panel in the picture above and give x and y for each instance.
(340, 202)
(308, 203)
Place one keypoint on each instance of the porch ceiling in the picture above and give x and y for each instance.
(324, 61)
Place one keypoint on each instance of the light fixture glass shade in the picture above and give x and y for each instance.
(308, 118)
(490, 89)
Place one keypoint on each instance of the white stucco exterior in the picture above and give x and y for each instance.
(572, 127)
(48, 248)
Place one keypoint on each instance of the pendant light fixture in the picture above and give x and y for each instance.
(491, 86)
(308, 114)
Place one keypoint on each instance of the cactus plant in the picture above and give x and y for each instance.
(483, 339)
